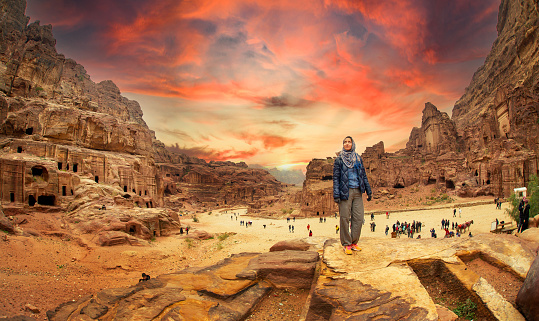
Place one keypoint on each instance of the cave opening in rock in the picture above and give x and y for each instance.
(398, 185)
(64, 190)
(48, 200)
(31, 200)
(168, 191)
(327, 177)
(96, 179)
(431, 181)
(12, 197)
(40, 172)
(75, 167)
(125, 188)
(60, 164)
(449, 184)
(19, 149)
(29, 131)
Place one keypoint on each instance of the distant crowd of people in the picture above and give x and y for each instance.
(405, 228)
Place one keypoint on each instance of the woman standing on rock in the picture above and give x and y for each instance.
(349, 183)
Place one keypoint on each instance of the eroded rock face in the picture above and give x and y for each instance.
(32, 68)
(218, 184)
(497, 115)
(116, 225)
(212, 293)
(383, 281)
(43, 173)
(61, 129)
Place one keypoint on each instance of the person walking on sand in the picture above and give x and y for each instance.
(349, 183)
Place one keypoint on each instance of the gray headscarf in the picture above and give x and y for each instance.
(349, 157)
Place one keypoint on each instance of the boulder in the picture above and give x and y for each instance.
(201, 235)
(6, 225)
(528, 296)
(293, 245)
(31, 308)
(111, 238)
(283, 268)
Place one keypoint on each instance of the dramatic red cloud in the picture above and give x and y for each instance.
(275, 75)
(269, 141)
(209, 154)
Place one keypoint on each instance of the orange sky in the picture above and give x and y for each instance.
(277, 83)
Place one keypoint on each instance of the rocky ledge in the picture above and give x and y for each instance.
(388, 280)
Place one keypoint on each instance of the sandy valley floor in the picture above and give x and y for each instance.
(43, 272)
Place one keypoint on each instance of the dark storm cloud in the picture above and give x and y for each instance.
(205, 27)
(454, 27)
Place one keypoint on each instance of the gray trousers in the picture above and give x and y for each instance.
(352, 216)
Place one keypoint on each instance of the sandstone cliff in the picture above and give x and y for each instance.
(490, 145)
(58, 129)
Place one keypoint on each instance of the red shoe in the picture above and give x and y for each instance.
(354, 247)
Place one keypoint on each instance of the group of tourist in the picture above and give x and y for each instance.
(405, 228)
(498, 202)
(186, 230)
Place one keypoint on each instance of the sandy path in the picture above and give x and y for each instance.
(259, 239)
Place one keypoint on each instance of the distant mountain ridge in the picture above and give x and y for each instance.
(287, 176)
